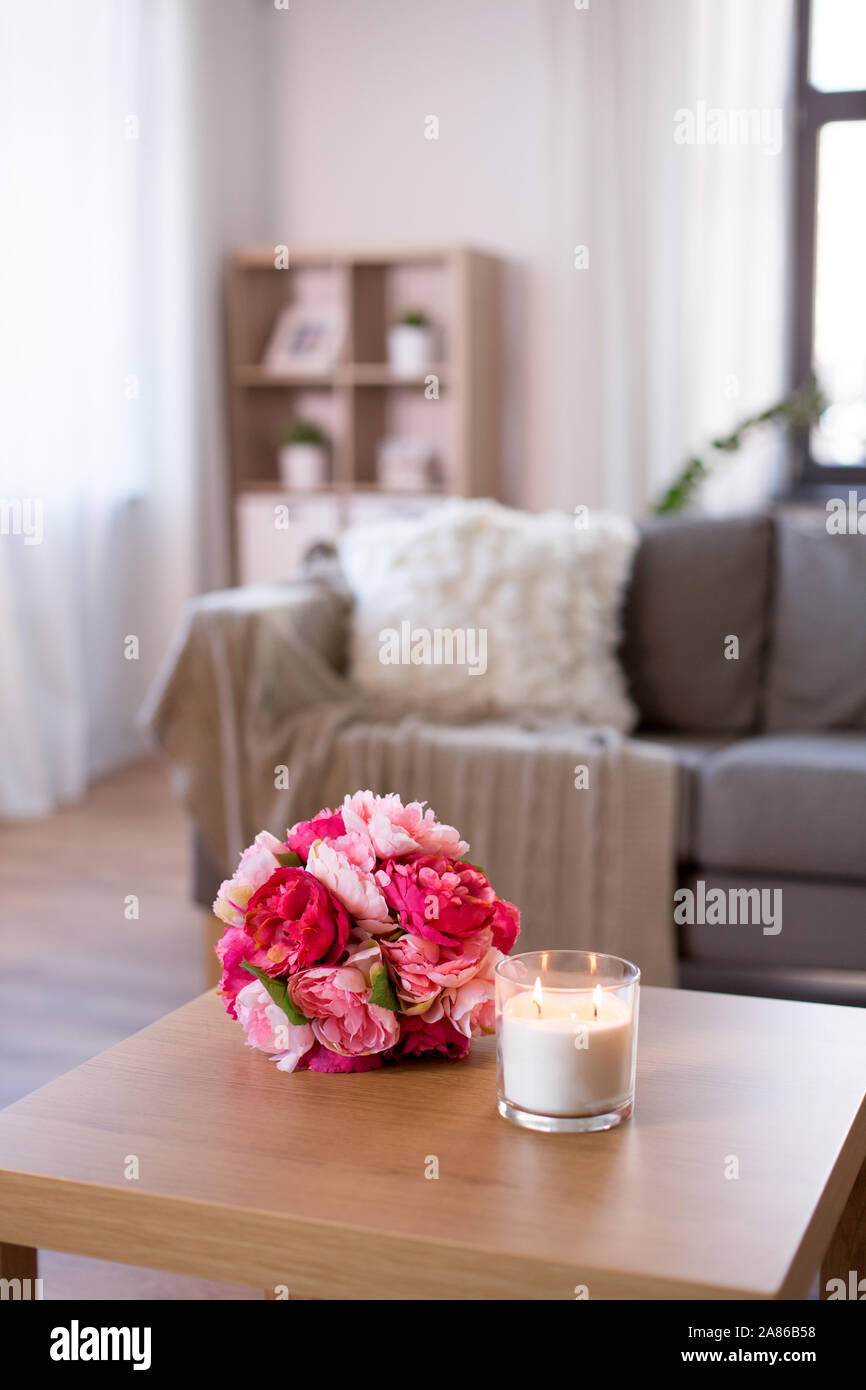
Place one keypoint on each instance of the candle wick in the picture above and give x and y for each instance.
(594, 1009)
(538, 1006)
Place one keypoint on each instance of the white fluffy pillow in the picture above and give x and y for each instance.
(478, 609)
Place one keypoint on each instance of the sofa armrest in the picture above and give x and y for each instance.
(314, 612)
(245, 662)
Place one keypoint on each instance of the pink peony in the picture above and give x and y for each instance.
(357, 1028)
(321, 1058)
(383, 906)
(255, 868)
(336, 1000)
(345, 866)
(447, 902)
(233, 947)
(268, 1028)
(505, 925)
(327, 825)
(396, 830)
(297, 922)
(422, 968)
(470, 1006)
(421, 1037)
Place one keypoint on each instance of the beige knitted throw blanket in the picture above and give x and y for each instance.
(574, 824)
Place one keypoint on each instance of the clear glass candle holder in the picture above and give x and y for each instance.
(566, 1039)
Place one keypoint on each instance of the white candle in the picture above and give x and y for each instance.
(566, 1053)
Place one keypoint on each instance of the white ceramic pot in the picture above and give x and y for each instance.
(410, 349)
(303, 466)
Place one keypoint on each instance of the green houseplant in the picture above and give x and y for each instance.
(415, 318)
(410, 344)
(303, 456)
(797, 411)
(304, 432)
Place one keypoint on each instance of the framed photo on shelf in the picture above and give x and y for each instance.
(305, 338)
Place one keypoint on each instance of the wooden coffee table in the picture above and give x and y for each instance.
(325, 1186)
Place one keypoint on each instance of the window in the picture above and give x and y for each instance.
(830, 233)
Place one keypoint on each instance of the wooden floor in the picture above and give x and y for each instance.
(78, 974)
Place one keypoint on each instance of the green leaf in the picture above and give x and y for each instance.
(278, 992)
(796, 411)
(382, 991)
(289, 860)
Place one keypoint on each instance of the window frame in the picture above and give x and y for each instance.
(814, 109)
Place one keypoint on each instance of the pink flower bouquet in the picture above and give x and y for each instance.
(365, 938)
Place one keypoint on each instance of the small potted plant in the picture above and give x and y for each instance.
(304, 456)
(410, 344)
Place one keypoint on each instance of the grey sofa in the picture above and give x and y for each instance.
(745, 651)
(770, 745)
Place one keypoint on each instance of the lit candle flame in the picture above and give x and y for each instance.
(537, 996)
(596, 1000)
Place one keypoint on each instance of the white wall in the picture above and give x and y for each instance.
(231, 136)
(354, 81)
(556, 129)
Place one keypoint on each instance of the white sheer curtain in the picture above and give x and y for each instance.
(678, 327)
(96, 387)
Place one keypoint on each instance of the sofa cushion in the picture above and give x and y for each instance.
(688, 752)
(530, 602)
(694, 584)
(817, 663)
(822, 925)
(785, 804)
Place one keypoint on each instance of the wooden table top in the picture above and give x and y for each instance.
(318, 1182)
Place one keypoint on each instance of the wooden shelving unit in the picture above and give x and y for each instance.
(359, 401)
